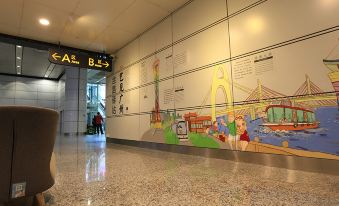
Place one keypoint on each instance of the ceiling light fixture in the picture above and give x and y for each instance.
(44, 21)
(18, 61)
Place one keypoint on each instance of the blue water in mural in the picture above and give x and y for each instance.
(323, 139)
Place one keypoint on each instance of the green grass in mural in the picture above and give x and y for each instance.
(200, 140)
(170, 136)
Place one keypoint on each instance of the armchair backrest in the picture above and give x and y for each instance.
(27, 136)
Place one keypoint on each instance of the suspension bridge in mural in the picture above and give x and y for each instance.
(308, 95)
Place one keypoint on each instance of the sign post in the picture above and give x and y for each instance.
(71, 58)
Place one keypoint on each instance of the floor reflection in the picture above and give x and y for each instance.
(91, 172)
(96, 163)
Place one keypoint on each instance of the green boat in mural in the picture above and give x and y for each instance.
(288, 118)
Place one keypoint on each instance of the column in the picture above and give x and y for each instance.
(74, 112)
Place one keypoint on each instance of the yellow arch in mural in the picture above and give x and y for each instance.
(221, 81)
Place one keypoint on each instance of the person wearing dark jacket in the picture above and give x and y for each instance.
(98, 123)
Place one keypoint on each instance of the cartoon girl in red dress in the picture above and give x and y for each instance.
(242, 132)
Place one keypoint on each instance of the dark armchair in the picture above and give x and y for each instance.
(27, 136)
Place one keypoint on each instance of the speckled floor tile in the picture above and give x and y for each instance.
(89, 172)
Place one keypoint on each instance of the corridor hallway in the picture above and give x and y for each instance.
(91, 172)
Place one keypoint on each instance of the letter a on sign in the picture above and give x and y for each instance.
(66, 57)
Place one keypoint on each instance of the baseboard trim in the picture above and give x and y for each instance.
(74, 133)
(318, 165)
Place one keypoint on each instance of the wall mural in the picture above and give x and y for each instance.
(303, 124)
(263, 80)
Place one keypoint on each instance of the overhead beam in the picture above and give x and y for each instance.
(41, 45)
(27, 76)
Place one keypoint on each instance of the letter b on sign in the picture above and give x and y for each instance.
(90, 62)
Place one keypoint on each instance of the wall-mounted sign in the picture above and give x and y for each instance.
(71, 58)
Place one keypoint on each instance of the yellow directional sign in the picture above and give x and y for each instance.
(71, 58)
(66, 58)
(55, 56)
(99, 63)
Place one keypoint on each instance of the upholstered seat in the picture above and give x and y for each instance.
(27, 136)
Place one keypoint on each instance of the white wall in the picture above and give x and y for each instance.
(204, 36)
(28, 91)
(60, 95)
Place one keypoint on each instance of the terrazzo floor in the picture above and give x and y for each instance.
(89, 172)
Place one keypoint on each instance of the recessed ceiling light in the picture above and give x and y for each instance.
(18, 66)
(18, 46)
(44, 21)
(18, 57)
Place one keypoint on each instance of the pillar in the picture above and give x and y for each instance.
(74, 111)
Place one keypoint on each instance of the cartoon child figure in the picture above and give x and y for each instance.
(242, 132)
(232, 130)
(213, 130)
(222, 128)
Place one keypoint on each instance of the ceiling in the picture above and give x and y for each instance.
(96, 77)
(26, 61)
(33, 62)
(100, 25)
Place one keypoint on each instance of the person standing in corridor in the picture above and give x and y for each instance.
(98, 123)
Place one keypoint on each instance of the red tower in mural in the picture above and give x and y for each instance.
(156, 115)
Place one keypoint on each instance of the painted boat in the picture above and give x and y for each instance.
(291, 126)
(289, 118)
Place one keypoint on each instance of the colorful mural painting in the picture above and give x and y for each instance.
(231, 83)
(303, 124)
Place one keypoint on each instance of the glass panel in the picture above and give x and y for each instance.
(310, 117)
(288, 114)
(300, 115)
(305, 117)
(278, 114)
(95, 101)
(270, 115)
